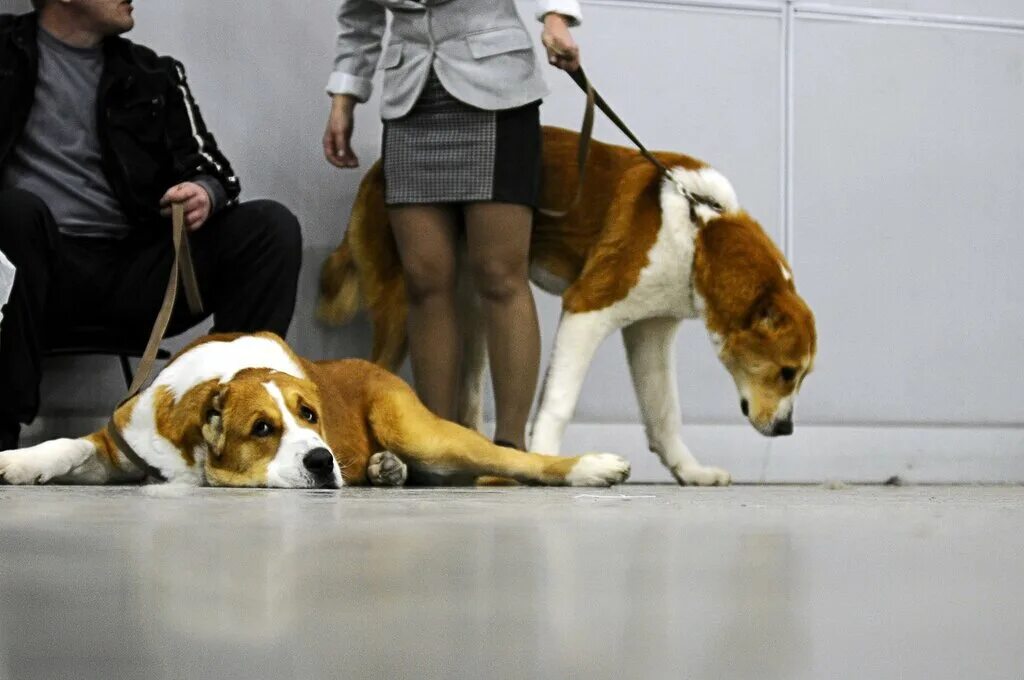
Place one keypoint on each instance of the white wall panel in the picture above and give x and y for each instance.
(964, 9)
(258, 71)
(907, 221)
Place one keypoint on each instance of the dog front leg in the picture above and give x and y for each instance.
(67, 461)
(386, 469)
(650, 346)
(577, 339)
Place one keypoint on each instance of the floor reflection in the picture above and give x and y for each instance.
(522, 583)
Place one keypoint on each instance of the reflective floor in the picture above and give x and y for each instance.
(634, 582)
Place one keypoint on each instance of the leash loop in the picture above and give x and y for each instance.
(594, 98)
(582, 152)
(183, 271)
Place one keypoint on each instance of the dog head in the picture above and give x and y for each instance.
(769, 358)
(264, 428)
(763, 330)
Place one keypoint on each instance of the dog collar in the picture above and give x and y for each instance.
(152, 473)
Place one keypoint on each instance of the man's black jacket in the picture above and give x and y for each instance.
(151, 133)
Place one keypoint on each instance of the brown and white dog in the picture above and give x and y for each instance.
(246, 411)
(632, 255)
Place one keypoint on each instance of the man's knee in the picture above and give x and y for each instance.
(271, 228)
(25, 218)
(278, 224)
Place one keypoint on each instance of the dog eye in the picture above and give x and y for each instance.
(788, 373)
(262, 429)
(307, 414)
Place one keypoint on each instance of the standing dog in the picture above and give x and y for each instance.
(634, 254)
(244, 410)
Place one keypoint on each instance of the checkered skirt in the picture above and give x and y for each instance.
(446, 151)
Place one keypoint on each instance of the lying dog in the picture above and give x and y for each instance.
(244, 410)
(634, 254)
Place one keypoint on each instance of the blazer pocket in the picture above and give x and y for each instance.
(498, 41)
(392, 56)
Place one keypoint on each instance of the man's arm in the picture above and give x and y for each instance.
(194, 151)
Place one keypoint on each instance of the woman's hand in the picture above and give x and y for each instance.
(563, 52)
(338, 136)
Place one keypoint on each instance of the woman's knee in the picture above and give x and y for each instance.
(428, 277)
(497, 279)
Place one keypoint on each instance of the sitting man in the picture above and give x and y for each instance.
(98, 136)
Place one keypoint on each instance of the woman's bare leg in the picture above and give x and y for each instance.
(498, 238)
(426, 237)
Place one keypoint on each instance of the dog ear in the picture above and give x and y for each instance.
(213, 426)
(771, 317)
(767, 316)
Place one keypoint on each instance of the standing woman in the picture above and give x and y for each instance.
(462, 145)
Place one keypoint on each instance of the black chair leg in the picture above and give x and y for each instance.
(126, 370)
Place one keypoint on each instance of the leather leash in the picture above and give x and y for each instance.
(586, 131)
(583, 150)
(181, 268)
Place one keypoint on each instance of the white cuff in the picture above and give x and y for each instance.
(346, 83)
(567, 8)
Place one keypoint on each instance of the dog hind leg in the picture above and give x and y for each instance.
(430, 444)
(650, 348)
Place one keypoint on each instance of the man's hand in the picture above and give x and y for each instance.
(338, 135)
(196, 200)
(563, 52)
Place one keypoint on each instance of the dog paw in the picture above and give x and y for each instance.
(701, 475)
(43, 462)
(598, 469)
(386, 469)
(18, 468)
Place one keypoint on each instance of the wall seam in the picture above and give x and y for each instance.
(823, 11)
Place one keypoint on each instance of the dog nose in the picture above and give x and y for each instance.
(745, 407)
(783, 428)
(319, 461)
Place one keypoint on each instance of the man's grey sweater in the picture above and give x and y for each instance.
(58, 157)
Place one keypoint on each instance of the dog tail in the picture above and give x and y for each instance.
(340, 296)
(365, 271)
(340, 287)
(707, 181)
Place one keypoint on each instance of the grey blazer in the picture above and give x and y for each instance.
(480, 49)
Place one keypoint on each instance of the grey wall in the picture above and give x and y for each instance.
(878, 141)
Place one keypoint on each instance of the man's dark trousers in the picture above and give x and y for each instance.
(246, 257)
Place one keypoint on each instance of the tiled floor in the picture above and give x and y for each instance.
(633, 582)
